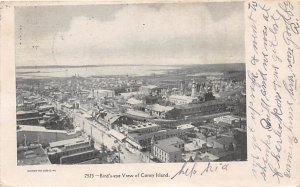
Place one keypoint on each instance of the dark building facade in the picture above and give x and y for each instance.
(203, 108)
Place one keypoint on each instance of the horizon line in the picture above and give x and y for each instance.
(99, 65)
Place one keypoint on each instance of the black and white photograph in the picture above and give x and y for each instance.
(130, 83)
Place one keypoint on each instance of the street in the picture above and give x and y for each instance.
(97, 132)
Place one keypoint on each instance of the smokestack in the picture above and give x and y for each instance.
(91, 132)
(182, 87)
(25, 143)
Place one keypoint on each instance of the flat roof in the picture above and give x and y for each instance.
(232, 117)
(185, 126)
(160, 108)
(149, 86)
(134, 101)
(141, 126)
(25, 119)
(117, 135)
(167, 145)
(192, 147)
(42, 101)
(27, 111)
(195, 105)
(103, 91)
(46, 106)
(167, 148)
(208, 156)
(68, 142)
(183, 97)
(128, 93)
(32, 155)
(80, 153)
(138, 114)
(38, 129)
(157, 133)
(172, 140)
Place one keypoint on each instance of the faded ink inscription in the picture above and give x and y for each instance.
(272, 98)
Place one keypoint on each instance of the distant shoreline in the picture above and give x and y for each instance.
(86, 66)
(187, 71)
(105, 65)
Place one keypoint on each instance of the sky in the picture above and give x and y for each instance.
(169, 34)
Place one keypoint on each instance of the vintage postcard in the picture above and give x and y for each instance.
(150, 93)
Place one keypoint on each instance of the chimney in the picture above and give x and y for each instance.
(25, 143)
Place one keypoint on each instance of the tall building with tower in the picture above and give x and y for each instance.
(194, 87)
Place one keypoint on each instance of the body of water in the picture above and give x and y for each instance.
(92, 71)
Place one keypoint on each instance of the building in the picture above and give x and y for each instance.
(150, 90)
(135, 104)
(208, 157)
(25, 106)
(116, 134)
(33, 154)
(222, 155)
(45, 108)
(127, 95)
(182, 99)
(28, 104)
(159, 111)
(40, 103)
(203, 108)
(126, 89)
(168, 150)
(196, 145)
(142, 141)
(187, 127)
(228, 119)
(141, 128)
(112, 120)
(42, 135)
(30, 117)
(103, 93)
(71, 151)
(137, 115)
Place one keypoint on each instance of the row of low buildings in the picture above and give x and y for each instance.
(143, 135)
(69, 151)
(173, 145)
(166, 145)
(38, 145)
(178, 111)
(33, 134)
(184, 105)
